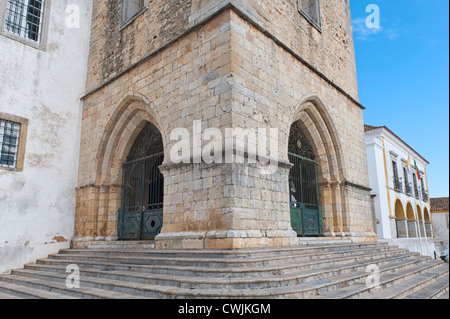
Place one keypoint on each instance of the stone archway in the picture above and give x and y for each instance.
(428, 224)
(412, 223)
(305, 208)
(317, 126)
(98, 204)
(141, 212)
(401, 221)
(399, 212)
(122, 129)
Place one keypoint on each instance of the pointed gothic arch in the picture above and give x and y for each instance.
(317, 125)
(126, 122)
(141, 212)
(124, 125)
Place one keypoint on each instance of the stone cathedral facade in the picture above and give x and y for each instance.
(156, 66)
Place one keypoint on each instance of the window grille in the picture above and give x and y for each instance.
(24, 18)
(416, 188)
(9, 143)
(398, 183)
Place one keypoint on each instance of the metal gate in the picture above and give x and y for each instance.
(306, 213)
(141, 214)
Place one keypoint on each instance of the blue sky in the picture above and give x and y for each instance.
(403, 76)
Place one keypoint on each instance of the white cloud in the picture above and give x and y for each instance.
(362, 32)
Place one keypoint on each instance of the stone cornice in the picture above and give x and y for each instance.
(355, 185)
(170, 165)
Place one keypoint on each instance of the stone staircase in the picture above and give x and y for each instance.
(326, 271)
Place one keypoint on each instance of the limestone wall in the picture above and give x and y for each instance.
(114, 48)
(227, 72)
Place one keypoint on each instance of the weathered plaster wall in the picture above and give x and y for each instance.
(37, 206)
(426, 247)
(440, 227)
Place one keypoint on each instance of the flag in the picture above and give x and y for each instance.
(417, 170)
(408, 164)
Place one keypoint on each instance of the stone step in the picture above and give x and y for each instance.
(235, 282)
(387, 281)
(138, 244)
(307, 271)
(4, 296)
(156, 270)
(267, 271)
(433, 290)
(228, 263)
(10, 290)
(58, 290)
(444, 296)
(413, 284)
(242, 253)
(302, 290)
(212, 257)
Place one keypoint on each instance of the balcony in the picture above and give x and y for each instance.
(408, 188)
(425, 196)
(398, 184)
(416, 192)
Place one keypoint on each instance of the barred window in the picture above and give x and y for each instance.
(24, 18)
(130, 8)
(9, 143)
(310, 9)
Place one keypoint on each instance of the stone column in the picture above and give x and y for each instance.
(225, 206)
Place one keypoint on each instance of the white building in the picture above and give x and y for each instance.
(440, 219)
(44, 48)
(401, 204)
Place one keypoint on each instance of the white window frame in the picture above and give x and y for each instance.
(317, 24)
(41, 43)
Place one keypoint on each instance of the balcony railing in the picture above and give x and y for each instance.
(408, 188)
(425, 196)
(416, 192)
(398, 184)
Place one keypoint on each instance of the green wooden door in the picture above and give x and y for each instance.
(296, 220)
(306, 213)
(141, 214)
